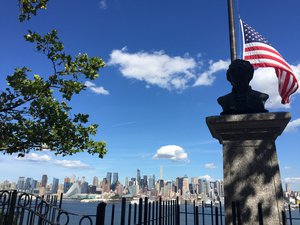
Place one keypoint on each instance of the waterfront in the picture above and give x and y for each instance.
(90, 208)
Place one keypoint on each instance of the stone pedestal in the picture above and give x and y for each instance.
(250, 164)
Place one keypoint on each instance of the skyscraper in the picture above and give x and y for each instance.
(138, 176)
(67, 184)
(115, 178)
(44, 180)
(145, 180)
(95, 181)
(54, 185)
(108, 178)
(21, 183)
(161, 172)
(185, 184)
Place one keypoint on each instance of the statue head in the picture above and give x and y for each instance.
(242, 99)
(240, 73)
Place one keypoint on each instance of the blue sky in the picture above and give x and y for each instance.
(166, 63)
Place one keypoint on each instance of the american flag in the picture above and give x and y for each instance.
(259, 52)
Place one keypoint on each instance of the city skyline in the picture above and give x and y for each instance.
(165, 68)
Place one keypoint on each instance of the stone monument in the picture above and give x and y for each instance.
(250, 165)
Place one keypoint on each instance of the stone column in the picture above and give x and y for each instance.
(250, 164)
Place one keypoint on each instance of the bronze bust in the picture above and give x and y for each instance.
(242, 99)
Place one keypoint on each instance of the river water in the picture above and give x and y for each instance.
(90, 208)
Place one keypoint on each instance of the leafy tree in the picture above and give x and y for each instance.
(31, 118)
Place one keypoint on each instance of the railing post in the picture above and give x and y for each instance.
(290, 215)
(149, 213)
(185, 208)
(145, 210)
(217, 215)
(177, 211)
(123, 211)
(211, 213)
(221, 218)
(203, 218)
(196, 215)
(100, 217)
(140, 211)
(153, 205)
(160, 211)
(12, 205)
(283, 218)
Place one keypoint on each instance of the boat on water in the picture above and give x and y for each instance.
(93, 200)
(136, 201)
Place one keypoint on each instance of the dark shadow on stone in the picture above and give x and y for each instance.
(250, 164)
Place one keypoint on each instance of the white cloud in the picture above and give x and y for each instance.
(265, 81)
(207, 77)
(210, 166)
(287, 167)
(173, 152)
(292, 126)
(71, 163)
(205, 177)
(155, 68)
(292, 180)
(95, 89)
(103, 4)
(35, 158)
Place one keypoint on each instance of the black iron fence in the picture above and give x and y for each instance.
(18, 208)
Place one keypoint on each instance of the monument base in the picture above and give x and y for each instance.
(250, 165)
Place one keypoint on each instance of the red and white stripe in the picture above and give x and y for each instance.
(263, 55)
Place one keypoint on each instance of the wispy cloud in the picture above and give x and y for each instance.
(96, 89)
(287, 167)
(292, 126)
(33, 157)
(292, 180)
(210, 166)
(103, 4)
(172, 152)
(71, 163)
(207, 77)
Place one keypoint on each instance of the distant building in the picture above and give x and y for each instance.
(54, 185)
(138, 177)
(185, 184)
(108, 178)
(95, 181)
(84, 187)
(67, 184)
(21, 183)
(44, 181)
(145, 181)
(115, 181)
(179, 184)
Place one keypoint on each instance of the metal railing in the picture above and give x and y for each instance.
(19, 208)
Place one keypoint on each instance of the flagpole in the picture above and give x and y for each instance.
(233, 53)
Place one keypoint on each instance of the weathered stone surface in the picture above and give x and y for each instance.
(250, 164)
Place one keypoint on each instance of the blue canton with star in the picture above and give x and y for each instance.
(252, 35)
